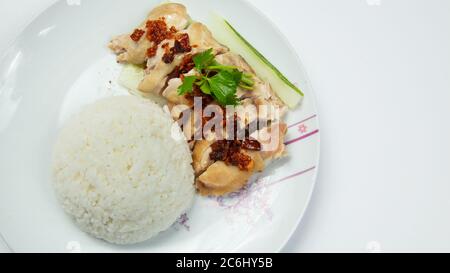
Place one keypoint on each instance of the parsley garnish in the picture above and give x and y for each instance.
(204, 59)
(223, 87)
(217, 80)
(187, 85)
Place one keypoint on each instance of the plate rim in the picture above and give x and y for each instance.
(312, 93)
(10, 46)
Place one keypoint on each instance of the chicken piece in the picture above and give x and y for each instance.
(129, 51)
(157, 69)
(221, 179)
(200, 156)
(247, 114)
(233, 59)
(272, 141)
(185, 117)
(175, 14)
(202, 39)
(262, 93)
(171, 93)
(268, 105)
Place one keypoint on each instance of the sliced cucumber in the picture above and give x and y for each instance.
(224, 32)
(130, 78)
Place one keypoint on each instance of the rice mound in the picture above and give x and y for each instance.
(118, 171)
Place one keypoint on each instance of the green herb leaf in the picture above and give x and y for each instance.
(204, 59)
(247, 79)
(237, 75)
(205, 88)
(223, 87)
(221, 67)
(187, 86)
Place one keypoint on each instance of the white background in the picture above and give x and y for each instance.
(381, 73)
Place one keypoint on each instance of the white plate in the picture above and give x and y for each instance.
(60, 62)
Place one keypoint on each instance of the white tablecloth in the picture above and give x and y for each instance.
(381, 73)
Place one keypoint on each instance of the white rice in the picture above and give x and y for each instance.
(119, 173)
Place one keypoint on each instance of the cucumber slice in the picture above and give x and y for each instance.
(224, 32)
(130, 78)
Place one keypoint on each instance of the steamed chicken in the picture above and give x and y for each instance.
(168, 44)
